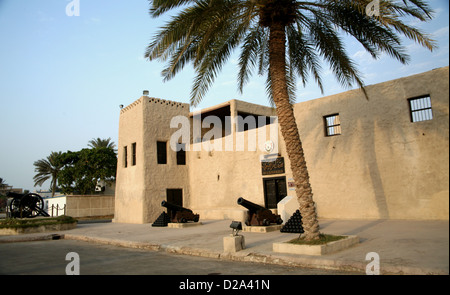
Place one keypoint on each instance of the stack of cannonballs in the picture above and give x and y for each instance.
(294, 224)
(162, 220)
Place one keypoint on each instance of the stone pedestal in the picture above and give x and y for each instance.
(327, 248)
(233, 244)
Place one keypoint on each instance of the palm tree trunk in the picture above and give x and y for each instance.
(54, 184)
(289, 130)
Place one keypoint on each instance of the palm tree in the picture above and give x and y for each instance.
(46, 169)
(284, 39)
(98, 143)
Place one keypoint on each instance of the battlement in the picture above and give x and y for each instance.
(154, 100)
(132, 105)
(164, 102)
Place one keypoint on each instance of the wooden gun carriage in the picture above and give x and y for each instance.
(258, 215)
(180, 214)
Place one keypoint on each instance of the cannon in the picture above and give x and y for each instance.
(258, 215)
(180, 214)
(26, 205)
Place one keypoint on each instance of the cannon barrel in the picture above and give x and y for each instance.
(249, 205)
(174, 207)
(258, 215)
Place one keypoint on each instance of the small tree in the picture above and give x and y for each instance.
(81, 170)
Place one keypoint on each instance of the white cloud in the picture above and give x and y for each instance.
(442, 32)
(363, 57)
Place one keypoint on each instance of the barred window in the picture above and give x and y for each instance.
(420, 108)
(332, 125)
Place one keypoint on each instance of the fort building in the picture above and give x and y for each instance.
(381, 157)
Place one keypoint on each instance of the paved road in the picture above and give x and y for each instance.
(49, 258)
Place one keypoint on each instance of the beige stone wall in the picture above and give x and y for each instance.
(219, 178)
(383, 165)
(86, 205)
(129, 181)
(140, 188)
(160, 177)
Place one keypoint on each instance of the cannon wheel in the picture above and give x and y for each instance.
(25, 206)
(15, 207)
(32, 202)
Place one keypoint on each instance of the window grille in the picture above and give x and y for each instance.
(420, 109)
(332, 125)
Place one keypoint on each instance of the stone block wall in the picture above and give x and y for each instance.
(89, 205)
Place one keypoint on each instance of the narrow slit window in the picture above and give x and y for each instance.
(181, 154)
(125, 157)
(420, 109)
(133, 158)
(332, 125)
(161, 149)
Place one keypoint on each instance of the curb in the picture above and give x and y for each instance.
(290, 261)
(242, 256)
(30, 238)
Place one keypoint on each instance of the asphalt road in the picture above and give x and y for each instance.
(49, 258)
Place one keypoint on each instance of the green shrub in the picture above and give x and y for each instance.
(35, 222)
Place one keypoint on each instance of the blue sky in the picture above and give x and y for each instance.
(63, 78)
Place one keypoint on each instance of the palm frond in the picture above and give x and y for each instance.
(47, 168)
(302, 55)
(206, 32)
(159, 7)
(252, 52)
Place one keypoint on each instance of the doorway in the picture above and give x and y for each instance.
(174, 196)
(274, 191)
